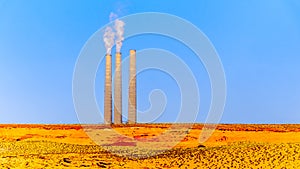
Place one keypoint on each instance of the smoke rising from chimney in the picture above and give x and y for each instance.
(110, 34)
(119, 27)
(108, 39)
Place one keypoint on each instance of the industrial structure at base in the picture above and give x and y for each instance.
(118, 90)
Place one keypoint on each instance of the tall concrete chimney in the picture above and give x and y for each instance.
(132, 88)
(108, 94)
(118, 90)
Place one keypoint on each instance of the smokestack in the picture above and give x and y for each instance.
(118, 91)
(132, 88)
(108, 95)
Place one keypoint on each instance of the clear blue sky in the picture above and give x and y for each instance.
(258, 43)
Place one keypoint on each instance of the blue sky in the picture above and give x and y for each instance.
(257, 41)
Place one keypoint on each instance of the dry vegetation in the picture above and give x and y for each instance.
(67, 146)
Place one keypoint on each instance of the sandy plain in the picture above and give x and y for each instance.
(145, 146)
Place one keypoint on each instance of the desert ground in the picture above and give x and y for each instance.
(146, 146)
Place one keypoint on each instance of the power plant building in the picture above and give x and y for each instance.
(118, 89)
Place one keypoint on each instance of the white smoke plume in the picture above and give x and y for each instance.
(119, 27)
(108, 39)
(110, 34)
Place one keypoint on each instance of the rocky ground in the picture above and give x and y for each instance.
(44, 154)
(67, 146)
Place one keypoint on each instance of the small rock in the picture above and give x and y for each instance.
(101, 165)
(104, 163)
(67, 160)
(201, 146)
(84, 165)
